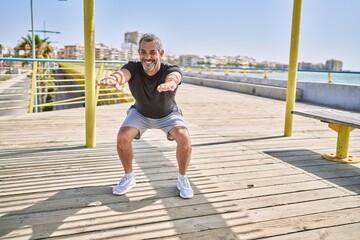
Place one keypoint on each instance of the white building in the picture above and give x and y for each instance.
(189, 60)
(133, 37)
(334, 65)
(74, 51)
(132, 50)
(6, 51)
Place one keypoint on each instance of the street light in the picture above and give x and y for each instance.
(32, 28)
(33, 45)
(45, 31)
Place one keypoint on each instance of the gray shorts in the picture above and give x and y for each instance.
(137, 120)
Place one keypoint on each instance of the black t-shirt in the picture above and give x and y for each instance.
(148, 101)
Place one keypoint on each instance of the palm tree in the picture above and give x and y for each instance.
(43, 49)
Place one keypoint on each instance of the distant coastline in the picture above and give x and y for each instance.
(343, 77)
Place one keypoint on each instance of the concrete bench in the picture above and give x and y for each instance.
(343, 122)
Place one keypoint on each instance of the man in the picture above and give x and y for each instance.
(153, 85)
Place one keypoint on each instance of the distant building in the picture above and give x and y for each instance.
(61, 53)
(131, 44)
(113, 54)
(242, 61)
(74, 51)
(123, 55)
(102, 52)
(213, 61)
(267, 64)
(132, 50)
(333, 65)
(6, 51)
(189, 60)
(133, 37)
(117, 54)
(305, 66)
(310, 66)
(171, 59)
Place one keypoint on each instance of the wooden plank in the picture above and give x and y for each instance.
(197, 224)
(154, 212)
(349, 230)
(249, 181)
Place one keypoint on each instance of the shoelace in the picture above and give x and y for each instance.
(124, 179)
(185, 182)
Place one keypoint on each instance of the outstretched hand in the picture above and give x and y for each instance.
(109, 82)
(167, 87)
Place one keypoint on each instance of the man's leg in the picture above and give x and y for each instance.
(124, 146)
(183, 155)
(183, 148)
(125, 152)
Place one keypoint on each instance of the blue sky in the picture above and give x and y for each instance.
(256, 28)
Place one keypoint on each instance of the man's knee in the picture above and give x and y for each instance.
(126, 135)
(181, 136)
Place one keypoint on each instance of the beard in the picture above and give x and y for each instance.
(149, 65)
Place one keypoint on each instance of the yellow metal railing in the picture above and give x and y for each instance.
(52, 86)
(14, 90)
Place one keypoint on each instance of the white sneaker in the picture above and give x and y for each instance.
(126, 183)
(184, 187)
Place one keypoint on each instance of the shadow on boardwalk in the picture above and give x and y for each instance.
(249, 182)
(151, 209)
(343, 175)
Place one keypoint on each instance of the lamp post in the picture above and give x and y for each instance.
(33, 44)
(32, 30)
(33, 55)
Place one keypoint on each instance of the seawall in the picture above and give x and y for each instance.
(339, 96)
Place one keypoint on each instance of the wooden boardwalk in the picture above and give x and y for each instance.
(250, 182)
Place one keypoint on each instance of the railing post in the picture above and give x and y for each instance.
(329, 78)
(90, 105)
(99, 77)
(33, 95)
(293, 62)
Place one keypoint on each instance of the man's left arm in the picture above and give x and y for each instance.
(172, 80)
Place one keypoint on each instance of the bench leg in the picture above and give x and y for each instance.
(342, 145)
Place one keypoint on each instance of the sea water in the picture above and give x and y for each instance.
(321, 77)
(302, 76)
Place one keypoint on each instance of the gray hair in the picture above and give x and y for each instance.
(149, 37)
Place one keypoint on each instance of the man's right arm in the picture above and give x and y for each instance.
(116, 79)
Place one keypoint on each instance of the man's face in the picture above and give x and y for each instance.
(150, 57)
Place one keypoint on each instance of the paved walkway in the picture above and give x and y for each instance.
(250, 182)
(16, 89)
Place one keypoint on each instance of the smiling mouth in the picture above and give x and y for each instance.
(148, 62)
(148, 65)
